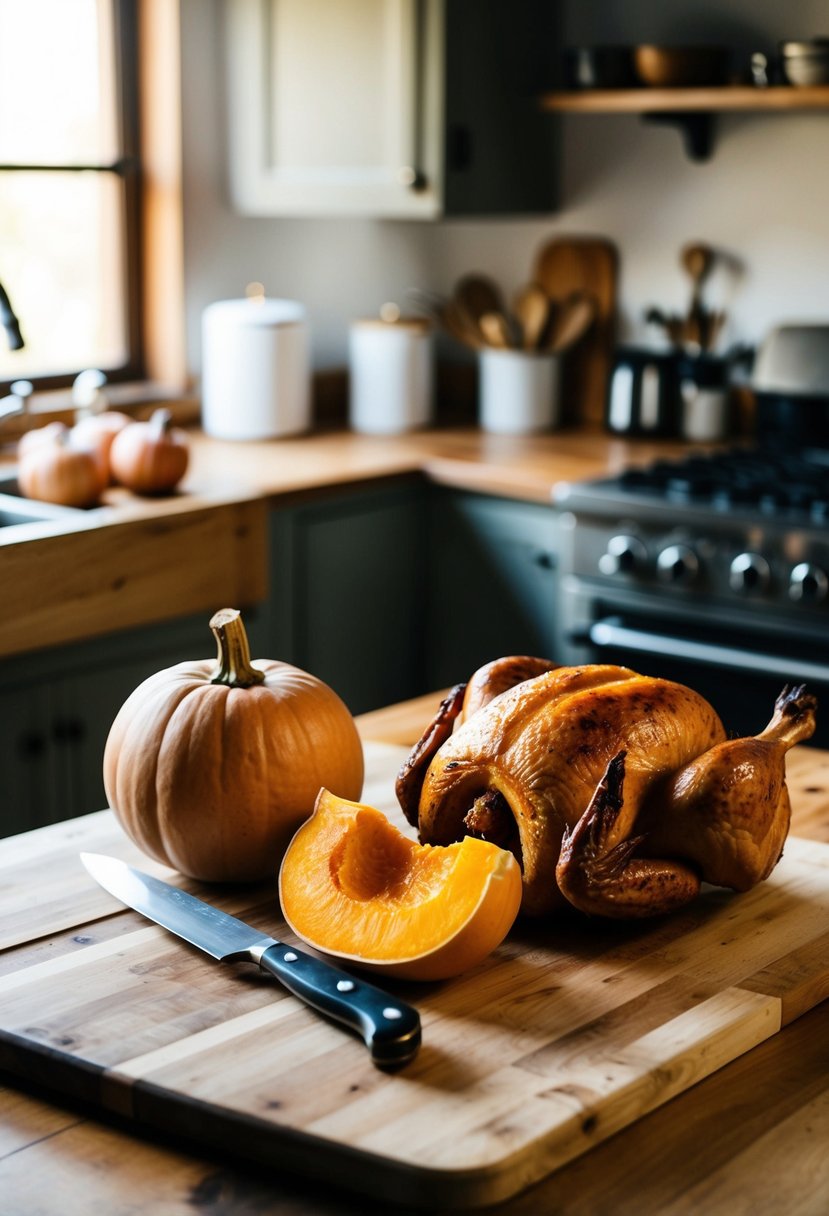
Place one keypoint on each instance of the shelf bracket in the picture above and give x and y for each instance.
(696, 127)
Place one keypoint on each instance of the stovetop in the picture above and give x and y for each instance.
(791, 486)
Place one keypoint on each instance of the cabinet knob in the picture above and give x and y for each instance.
(68, 730)
(545, 560)
(411, 177)
(31, 744)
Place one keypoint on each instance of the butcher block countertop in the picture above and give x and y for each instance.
(749, 1137)
(69, 580)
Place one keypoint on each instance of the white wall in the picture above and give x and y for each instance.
(762, 199)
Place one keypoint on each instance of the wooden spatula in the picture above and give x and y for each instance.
(496, 330)
(570, 322)
(531, 306)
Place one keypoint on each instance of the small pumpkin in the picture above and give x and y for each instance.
(52, 432)
(211, 766)
(54, 470)
(97, 431)
(150, 457)
(353, 886)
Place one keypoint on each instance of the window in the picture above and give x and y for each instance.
(69, 188)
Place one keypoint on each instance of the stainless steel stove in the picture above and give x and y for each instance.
(713, 570)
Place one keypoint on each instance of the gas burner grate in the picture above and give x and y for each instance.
(742, 478)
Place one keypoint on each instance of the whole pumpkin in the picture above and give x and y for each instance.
(150, 457)
(97, 431)
(211, 766)
(52, 470)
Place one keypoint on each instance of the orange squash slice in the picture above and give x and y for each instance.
(353, 886)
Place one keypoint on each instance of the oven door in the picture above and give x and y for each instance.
(740, 671)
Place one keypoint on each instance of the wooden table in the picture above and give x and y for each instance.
(751, 1138)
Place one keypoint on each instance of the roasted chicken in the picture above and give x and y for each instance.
(618, 793)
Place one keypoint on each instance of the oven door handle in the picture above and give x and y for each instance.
(610, 632)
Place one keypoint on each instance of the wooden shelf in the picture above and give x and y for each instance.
(699, 100)
(692, 110)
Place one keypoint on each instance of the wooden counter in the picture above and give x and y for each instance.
(751, 1137)
(135, 562)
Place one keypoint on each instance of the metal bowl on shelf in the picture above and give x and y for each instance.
(681, 66)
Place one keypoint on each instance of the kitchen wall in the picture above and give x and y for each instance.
(762, 198)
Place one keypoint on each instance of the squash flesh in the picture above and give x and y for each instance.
(353, 886)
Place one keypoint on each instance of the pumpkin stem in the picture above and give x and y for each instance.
(160, 421)
(234, 665)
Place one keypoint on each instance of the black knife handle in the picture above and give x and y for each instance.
(390, 1028)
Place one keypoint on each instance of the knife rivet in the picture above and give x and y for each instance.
(289, 956)
(345, 985)
(391, 1013)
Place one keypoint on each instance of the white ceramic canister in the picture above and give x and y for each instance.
(391, 384)
(256, 379)
(518, 391)
(704, 412)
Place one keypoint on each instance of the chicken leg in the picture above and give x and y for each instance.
(728, 810)
(606, 879)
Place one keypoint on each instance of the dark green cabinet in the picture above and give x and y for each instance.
(392, 592)
(491, 582)
(56, 708)
(346, 592)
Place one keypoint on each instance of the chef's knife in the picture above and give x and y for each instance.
(390, 1028)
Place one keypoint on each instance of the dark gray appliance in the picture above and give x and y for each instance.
(791, 387)
(712, 570)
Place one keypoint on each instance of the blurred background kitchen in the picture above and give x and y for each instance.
(304, 181)
(760, 196)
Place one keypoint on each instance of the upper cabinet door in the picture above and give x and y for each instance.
(334, 107)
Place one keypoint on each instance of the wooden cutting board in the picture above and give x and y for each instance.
(571, 1031)
(584, 264)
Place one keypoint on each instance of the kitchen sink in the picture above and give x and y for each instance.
(15, 509)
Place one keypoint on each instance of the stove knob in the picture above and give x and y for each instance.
(808, 582)
(750, 572)
(625, 555)
(677, 564)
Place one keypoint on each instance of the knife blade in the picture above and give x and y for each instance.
(390, 1028)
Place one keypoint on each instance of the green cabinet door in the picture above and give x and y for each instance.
(56, 709)
(32, 767)
(491, 582)
(347, 596)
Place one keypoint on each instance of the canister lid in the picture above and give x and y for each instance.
(391, 318)
(418, 324)
(256, 310)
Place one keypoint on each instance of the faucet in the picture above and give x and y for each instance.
(88, 396)
(9, 321)
(17, 401)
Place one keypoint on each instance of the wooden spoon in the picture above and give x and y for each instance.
(698, 260)
(570, 322)
(478, 294)
(448, 315)
(496, 330)
(532, 309)
(457, 322)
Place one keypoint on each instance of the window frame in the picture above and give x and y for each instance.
(127, 166)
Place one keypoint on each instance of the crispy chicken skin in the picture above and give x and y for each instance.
(617, 792)
(459, 704)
